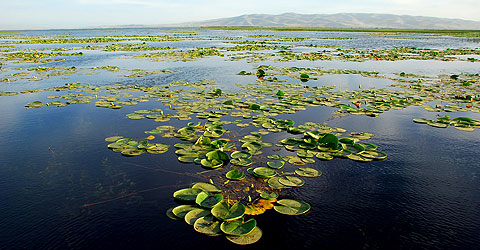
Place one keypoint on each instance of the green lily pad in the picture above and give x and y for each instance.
(374, 155)
(241, 154)
(195, 214)
(185, 152)
(142, 111)
(208, 225)
(437, 124)
(330, 140)
(135, 116)
(208, 200)
(355, 148)
(420, 120)
(187, 159)
(274, 157)
(308, 160)
(295, 160)
(182, 210)
(211, 163)
(158, 148)
(187, 194)
(243, 162)
(252, 146)
(305, 154)
(171, 215)
(275, 183)
(133, 151)
(359, 158)
(207, 187)
(218, 155)
(113, 138)
(324, 156)
(362, 135)
(292, 207)
(291, 181)
(247, 239)
(264, 172)
(238, 227)
(223, 212)
(276, 164)
(348, 141)
(464, 128)
(268, 196)
(368, 146)
(308, 172)
(235, 175)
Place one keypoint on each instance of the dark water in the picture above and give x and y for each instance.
(426, 195)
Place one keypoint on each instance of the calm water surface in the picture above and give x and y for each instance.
(426, 195)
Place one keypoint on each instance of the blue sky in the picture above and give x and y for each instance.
(37, 14)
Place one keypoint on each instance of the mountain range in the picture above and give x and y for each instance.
(341, 20)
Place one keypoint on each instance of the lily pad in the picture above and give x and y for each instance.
(113, 138)
(268, 196)
(420, 120)
(264, 172)
(247, 239)
(218, 155)
(437, 124)
(359, 158)
(208, 225)
(238, 227)
(274, 157)
(235, 175)
(195, 214)
(187, 159)
(276, 164)
(291, 181)
(187, 194)
(208, 200)
(226, 213)
(374, 155)
(171, 215)
(133, 152)
(211, 163)
(330, 140)
(207, 187)
(308, 172)
(324, 156)
(368, 146)
(243, 162)
(241, 154)
(252, 146)
(292, 207)
(182, 210)
(275, 183)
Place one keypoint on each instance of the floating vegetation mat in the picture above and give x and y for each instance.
(244, 180)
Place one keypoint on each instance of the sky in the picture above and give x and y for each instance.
(50, 14)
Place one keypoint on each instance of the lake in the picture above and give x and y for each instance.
(63, 188)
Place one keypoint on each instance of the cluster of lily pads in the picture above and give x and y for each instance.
(273, 98)
(38, 56)
(258, 49)
(129, 147)
(206, 209)
(460, 123)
